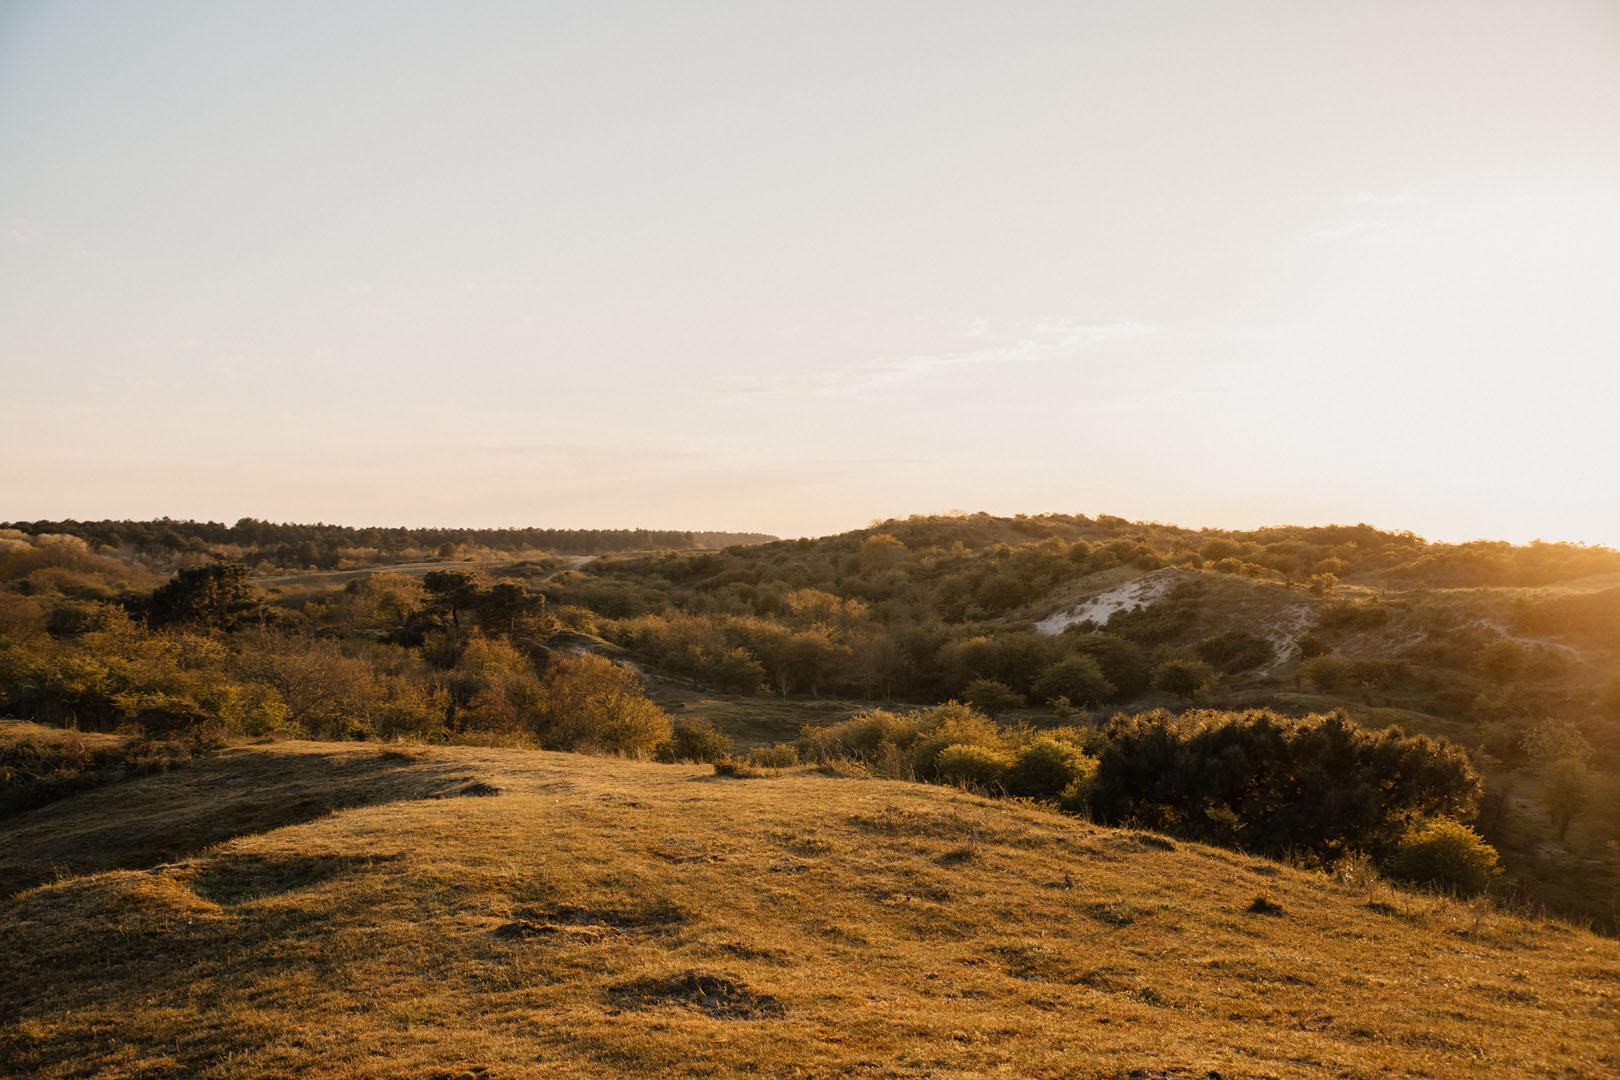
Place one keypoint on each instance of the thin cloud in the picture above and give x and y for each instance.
(1026, 343)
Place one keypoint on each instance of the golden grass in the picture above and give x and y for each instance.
(752, 720)
(603, 917)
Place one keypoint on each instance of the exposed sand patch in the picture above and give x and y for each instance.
(1145, 591)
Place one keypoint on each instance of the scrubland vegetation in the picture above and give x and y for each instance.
(1373, 712)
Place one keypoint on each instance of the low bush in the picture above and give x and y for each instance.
(1045, 768)
(694, 739)
(1235, 651)
(1443, 854)
(967, 765)
(1183, 678)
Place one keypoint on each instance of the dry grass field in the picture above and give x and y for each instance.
(343, 910)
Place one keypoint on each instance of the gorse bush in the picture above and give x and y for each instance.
(1048, 768)
(1444, 854)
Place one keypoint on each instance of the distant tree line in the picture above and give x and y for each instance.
(324, 546)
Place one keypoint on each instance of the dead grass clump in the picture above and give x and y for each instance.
(718, 995)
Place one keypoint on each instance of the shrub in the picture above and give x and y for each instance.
(1318, 785)
(973, 766)
(774, 757)
(947, 725)
(1444, 854)
(591, 703)
(1046, 768)
(861, 735)
(1124, 663)
(1184, 678)
(734, 769)
(1327, 673)
(694, 739)
(1235, 651)
(991, 697)
(1080, 679)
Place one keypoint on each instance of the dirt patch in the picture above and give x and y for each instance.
(718, 995)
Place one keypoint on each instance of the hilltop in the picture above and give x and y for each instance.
(355, 911)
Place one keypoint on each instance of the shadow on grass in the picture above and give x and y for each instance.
(140, 823)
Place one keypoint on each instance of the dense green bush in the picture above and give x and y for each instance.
(1047, 768)
(1078, 678)
(1319, 785)
(1444, 854)
(1183, 678)
(991, 697)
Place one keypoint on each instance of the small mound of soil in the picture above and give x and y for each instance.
(721, 997)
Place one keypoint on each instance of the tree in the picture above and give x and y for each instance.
(218, 595)
(1567, 787)
(327, 694)
(1123, 662)
(811, 659)
(451, 592)
(507, 606)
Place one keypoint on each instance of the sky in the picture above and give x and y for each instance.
(798, 267)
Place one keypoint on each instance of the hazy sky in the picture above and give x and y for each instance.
(797, 266)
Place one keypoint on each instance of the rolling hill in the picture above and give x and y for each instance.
(353, 910)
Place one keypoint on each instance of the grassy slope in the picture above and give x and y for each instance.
(842, 927)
